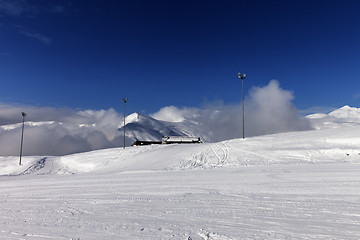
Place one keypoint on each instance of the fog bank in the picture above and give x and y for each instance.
(60, 131)
(268, 109)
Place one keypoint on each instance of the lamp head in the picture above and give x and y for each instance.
(242, 75)
(23, 114)
(124, 100)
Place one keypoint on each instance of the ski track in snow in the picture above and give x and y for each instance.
(280, 202)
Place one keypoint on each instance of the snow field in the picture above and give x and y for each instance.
(284, 201)
(299, 185)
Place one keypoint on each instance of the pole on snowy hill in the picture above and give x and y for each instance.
(242, 76)
(124, 100)
(22, 136)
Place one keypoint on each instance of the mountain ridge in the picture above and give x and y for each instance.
(344, 116)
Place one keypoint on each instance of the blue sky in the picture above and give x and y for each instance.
(90, 54)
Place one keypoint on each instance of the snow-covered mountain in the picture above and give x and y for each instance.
(142, 127)
(145, 128)
(344, 116)
(325, 146)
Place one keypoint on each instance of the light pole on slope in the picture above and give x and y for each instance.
(242, 76)
(22, 136)
(124, 100)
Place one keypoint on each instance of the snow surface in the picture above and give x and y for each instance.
(297, 185)
(345, 116)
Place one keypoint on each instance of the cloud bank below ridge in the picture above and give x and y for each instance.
(61, 131)
(52, 131)
(268, 109)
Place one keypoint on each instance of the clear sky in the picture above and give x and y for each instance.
(90, 54)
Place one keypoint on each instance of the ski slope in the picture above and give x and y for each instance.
(297, 185)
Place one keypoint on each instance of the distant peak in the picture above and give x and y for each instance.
(346, 112)
(134, 117)
(346, 107)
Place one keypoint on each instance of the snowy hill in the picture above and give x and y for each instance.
(324, 146)
(145, 128)
(345, 116)
(295, 185)
(346, 112)
(141, 127)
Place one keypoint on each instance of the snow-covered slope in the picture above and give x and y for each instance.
(298, 185)
(345, 116)
(141, 127)
(337, 139)
(145, 128)
(346, 112)
(327, 145)
(295, 185)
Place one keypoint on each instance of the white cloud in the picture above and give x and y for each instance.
(40, 37)
(14, 7)
(173, 114)
(73, 131)
(18, 8)
(26, 9)
(268, 109)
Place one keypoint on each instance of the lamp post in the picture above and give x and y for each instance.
(124, 100)
(22, 136)
(242, 76)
